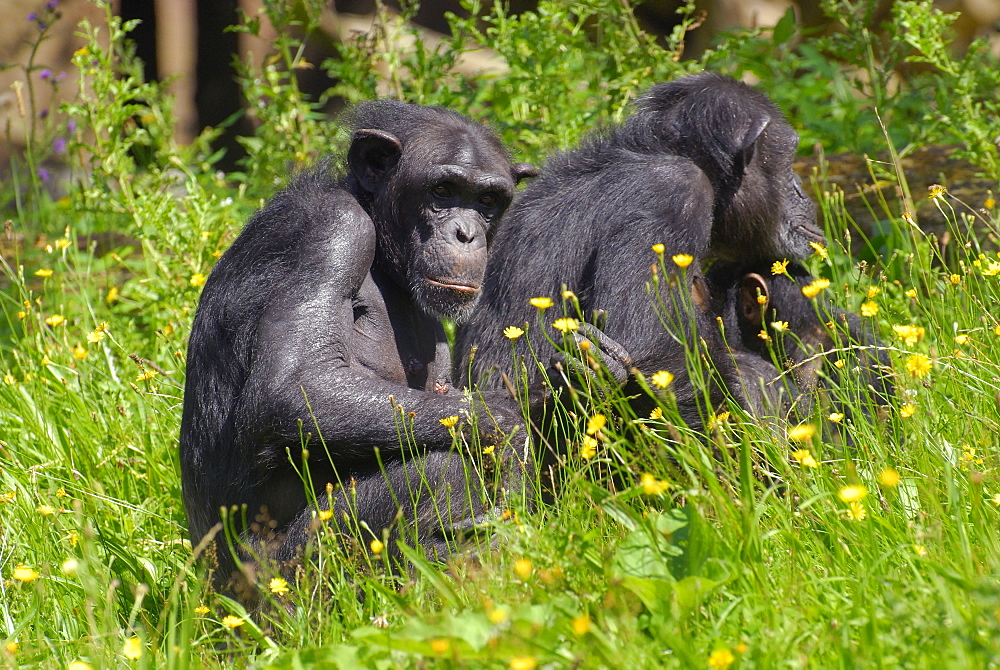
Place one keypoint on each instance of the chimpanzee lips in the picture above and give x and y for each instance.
(811, 231)
(454, 286)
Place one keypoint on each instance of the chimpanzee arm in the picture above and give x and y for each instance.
(303, 368)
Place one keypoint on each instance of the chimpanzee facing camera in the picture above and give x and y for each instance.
(323, 316)
(702, 169)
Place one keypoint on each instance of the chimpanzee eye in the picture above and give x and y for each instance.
(441, 191)
(488, 200)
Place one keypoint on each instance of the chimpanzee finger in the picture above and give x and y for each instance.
(596, 344)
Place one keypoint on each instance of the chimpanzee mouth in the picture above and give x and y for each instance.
(454, 286)
(811, 231)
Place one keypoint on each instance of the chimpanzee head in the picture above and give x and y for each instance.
(740, 139)
(435, 183)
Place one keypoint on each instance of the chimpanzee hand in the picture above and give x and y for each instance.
(594, 351)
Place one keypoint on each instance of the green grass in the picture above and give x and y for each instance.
(660, 550)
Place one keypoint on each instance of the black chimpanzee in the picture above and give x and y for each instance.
(703, 168)
(811, 335)
(323, 316)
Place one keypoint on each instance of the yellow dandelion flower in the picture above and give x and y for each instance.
(955, 279)
(872, 292)
(22, 315)
(961, 339)
(889, 477)
(920, 550)
(497, 615)
(996, 499)
(721, 659)
(376, 546)
(836, 417)
(657, 413)
(23, 573)
(682, 260)
(779, 267)
(918, 365)
(9, 380)
(8, 497)
(62, 243)
(46, 510)
(523, 663)
(232, 622)
(852, 493)
(911, 293)
(839, 363)
(523, 568)
(79, 665)
(43, 272)
(79, 352)
(802, 432)
(324, 514)
(909, 334)
(55, 320)
(489, 449)
(805, 458)
(936, 191)
(146, 375)
(779, 326)
(661, 379)
(763, 335)
(652, 486)
(95, 336)
(565, 325)
(762, 300)
(112, 295)
(588, 447)
(869, 308)
(45, 361)
(580, 625)
(658, 249)
(439, 645)
(132, 648)
(907, 410)
(70, 567)
(717, 420)
(202, 610)
(819, 250)
(809, 290)
(856, 512)
(449, 421)
(992, 270)
(13, 647)
(278, 586)
(596, 423)
(568, 295)
(541, 303)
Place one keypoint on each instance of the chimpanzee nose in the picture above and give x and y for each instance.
(465, 231)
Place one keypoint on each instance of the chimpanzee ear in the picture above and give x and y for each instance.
(748, 309)
(372, 153)
(746, 146)
(521, 171)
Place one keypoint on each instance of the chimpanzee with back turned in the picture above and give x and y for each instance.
(322, 316)
(812, 335)
(702, 167)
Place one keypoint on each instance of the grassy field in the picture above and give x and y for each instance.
(661, 549)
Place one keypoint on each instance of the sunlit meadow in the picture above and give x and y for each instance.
(758, 545)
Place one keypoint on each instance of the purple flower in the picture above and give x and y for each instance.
(51, 4)
(41, 25)
(45, 74)
(59, 145)
(44, 114)
(43, 174)
(33, 16)
(71, 126)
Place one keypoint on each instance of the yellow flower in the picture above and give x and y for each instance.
(996, 331)
(852, 493)
(43, 272)
(911, 293)
(993, 270)
(201, 610)
(70, 567)
(872, 292)
(836, 417)
(661, 379)
(232, 622)
(112, 295)
(955, 279)
(805, 458)
(95, 336)
(889, 477)
(55, 320)
(657, 413)
(497, 615)
(961, 339)
(45, 361)
(989, 203)
(588, 448)
(23, 573)
(819, 250)
(541, 303)
(652, 486)
(523, 663)
(937, 191)
(565, 325)
(907, 410)
(132, 648)
(324, 514)
(682, 260)
(489, 449)
(779, 267)
(8, 497)
(720, 659)
(918, 365)
(79, 352)
(658, 249)
(909, 334)
(449, 421)
(869, 308)
(779, 326)
(596, 423)
(376, 547)
(13, 647)
(581, 625)
(46, 510)
(9, 380)
(856, 512)
(802, 432)
(523, 568)
(512, 332)
(763, 335)
(920, 550)
(198, 279)
(568, 295)
(62, 243)
(79, 665)
(278, 586)
(439, 645)
(146, 375)
(810, 290)
(839, 363)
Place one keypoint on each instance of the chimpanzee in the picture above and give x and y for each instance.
(810, 336)
(320, 324)
(703, 168)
